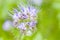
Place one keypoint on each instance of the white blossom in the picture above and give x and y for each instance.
(7, 25)
(29, 33)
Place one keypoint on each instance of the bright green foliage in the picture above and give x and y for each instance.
(48, 26)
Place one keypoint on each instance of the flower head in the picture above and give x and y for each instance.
(24, 19)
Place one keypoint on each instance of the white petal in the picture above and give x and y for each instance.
(19, 14)
(29, 33)
(7, 25)
(37, 2)
(15, 16)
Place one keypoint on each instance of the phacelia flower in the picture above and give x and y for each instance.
(24, 19)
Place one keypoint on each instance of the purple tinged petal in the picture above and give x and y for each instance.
(7, 25)
(15, 11)
(24, 16)
(15, 16)
(32, 24)
(15, 23)
(19, 15)
(29, 8)
(22, 9)
(32, 11)
(22, 26)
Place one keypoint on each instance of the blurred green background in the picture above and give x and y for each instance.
(48, 26)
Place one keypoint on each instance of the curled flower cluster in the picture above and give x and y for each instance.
(25, 20)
